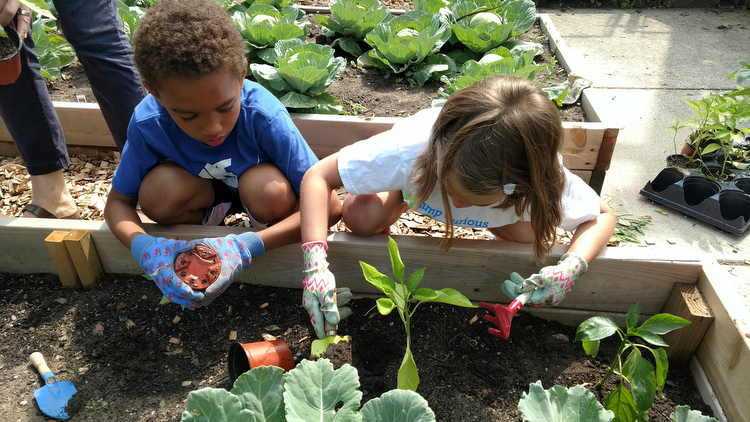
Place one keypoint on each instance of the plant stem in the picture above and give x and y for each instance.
(612, 366)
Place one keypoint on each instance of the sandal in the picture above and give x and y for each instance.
(42, 213)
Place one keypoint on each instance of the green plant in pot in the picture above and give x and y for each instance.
(10, 44)
(718, 129)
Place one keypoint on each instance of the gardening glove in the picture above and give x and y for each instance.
(235, 252)
(319, 286)
(157, 256)
(551, 284)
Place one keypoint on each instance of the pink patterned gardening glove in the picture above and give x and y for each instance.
(319, 285)
(551, 284)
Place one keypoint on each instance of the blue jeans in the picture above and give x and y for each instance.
(94, 30)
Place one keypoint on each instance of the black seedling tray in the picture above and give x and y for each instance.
(725, 205)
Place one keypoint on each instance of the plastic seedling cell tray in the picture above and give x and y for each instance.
(724, 204)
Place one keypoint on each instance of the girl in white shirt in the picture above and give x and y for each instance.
(489, 158)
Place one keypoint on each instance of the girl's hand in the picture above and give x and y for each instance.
(551, 284)
(319, 285)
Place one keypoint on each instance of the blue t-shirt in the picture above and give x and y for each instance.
(264, 132)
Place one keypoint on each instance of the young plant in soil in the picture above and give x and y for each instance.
(632, 405)
(400, 296)
(312, 391)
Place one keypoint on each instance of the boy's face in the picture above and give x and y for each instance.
(206, 108)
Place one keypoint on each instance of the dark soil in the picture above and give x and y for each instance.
(130, 358)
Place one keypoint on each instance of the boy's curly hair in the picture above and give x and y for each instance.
(187, 39)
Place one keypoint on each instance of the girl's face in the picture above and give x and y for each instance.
(463, 199)
(205, 108)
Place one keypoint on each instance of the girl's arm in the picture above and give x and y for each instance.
(315, 194)
(592, 236)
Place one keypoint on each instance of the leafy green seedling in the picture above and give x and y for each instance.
(562, 404)
(400, 296)
(642, 378)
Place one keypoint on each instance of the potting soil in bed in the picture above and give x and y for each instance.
(134, 360)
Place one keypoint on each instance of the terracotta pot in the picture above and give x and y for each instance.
(245, 356)
(10, 67)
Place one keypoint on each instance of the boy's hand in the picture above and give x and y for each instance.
(319, 285)
(551, 284)
(235, 252)
(157, 256)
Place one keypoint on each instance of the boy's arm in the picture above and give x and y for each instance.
(122, 218)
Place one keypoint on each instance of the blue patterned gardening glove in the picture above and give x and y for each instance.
(319, 285)
(157, 256)
(551, 284)
(235, 252)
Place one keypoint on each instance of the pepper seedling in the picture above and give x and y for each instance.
(401, 296)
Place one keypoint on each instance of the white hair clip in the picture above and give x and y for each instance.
(509, 188)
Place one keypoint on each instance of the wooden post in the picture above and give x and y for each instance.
(61, 258)
(85, 259)
(686, 301)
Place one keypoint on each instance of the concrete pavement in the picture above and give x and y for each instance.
(642, 64)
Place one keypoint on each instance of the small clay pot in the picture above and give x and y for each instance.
(10, 67)
(246, 356)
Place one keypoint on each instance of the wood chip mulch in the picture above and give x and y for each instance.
(89, 180)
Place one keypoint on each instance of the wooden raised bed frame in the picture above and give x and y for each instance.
(617, 279)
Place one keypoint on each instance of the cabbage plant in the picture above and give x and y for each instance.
(517, 61)
(54, 51)
(404, 43)
(312, 391)
(351, 21)
(400, 296)
(484, 27)
(300, 75)
(263, 25)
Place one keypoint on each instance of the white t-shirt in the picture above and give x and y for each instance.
(384, 162)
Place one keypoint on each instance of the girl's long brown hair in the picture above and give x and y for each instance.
(500, 130)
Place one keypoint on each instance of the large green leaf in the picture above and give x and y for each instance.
(447, 295)
(640, 373)
(663, 323)
(521, 14)
(397, 406)
(620, 402)
(215, 405)
(261, 392)
(355, 18)
(560, 404)
(684, 414)
(317, 392)
(408, 376)
(596, 328)
(396, 263)
(384, 283)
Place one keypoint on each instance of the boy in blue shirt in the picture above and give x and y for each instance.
(204, 143)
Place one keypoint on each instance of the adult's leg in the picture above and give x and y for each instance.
(369, 214)
(94, 29)
(170, 194)
(28, 113)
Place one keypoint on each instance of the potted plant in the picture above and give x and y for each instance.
(10, 44)
(718, 135)
(10, 60)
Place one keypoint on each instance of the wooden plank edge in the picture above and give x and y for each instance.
(724, 352)
(474, 267)
(704, 388)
